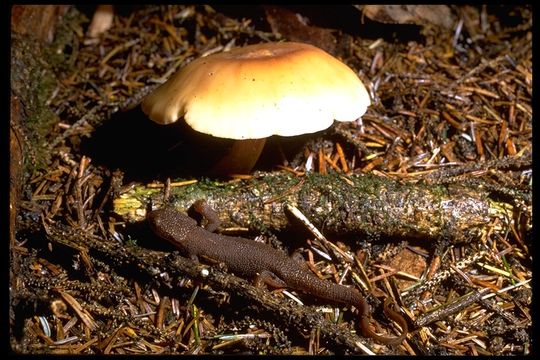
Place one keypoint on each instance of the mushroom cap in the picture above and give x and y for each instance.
(260, 90)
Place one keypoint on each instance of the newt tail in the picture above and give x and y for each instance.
(392, 314)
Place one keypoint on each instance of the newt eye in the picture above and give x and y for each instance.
(154, 219)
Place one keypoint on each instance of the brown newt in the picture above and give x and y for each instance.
(261, 262)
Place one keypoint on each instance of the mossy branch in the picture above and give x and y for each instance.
(336, 204)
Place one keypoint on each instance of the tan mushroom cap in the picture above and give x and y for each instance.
(260, 90)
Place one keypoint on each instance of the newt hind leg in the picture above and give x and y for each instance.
(270, 279)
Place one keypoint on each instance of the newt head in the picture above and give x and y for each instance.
(171, 225)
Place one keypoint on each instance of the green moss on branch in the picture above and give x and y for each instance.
(336, 204)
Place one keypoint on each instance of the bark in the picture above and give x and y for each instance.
(36, 24)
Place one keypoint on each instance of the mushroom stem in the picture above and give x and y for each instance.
(241, 158)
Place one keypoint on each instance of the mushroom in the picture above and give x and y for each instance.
(253, 92)
(101, 21)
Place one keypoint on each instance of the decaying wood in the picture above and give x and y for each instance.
(417, 14)
(337, 204)
(37, 20)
